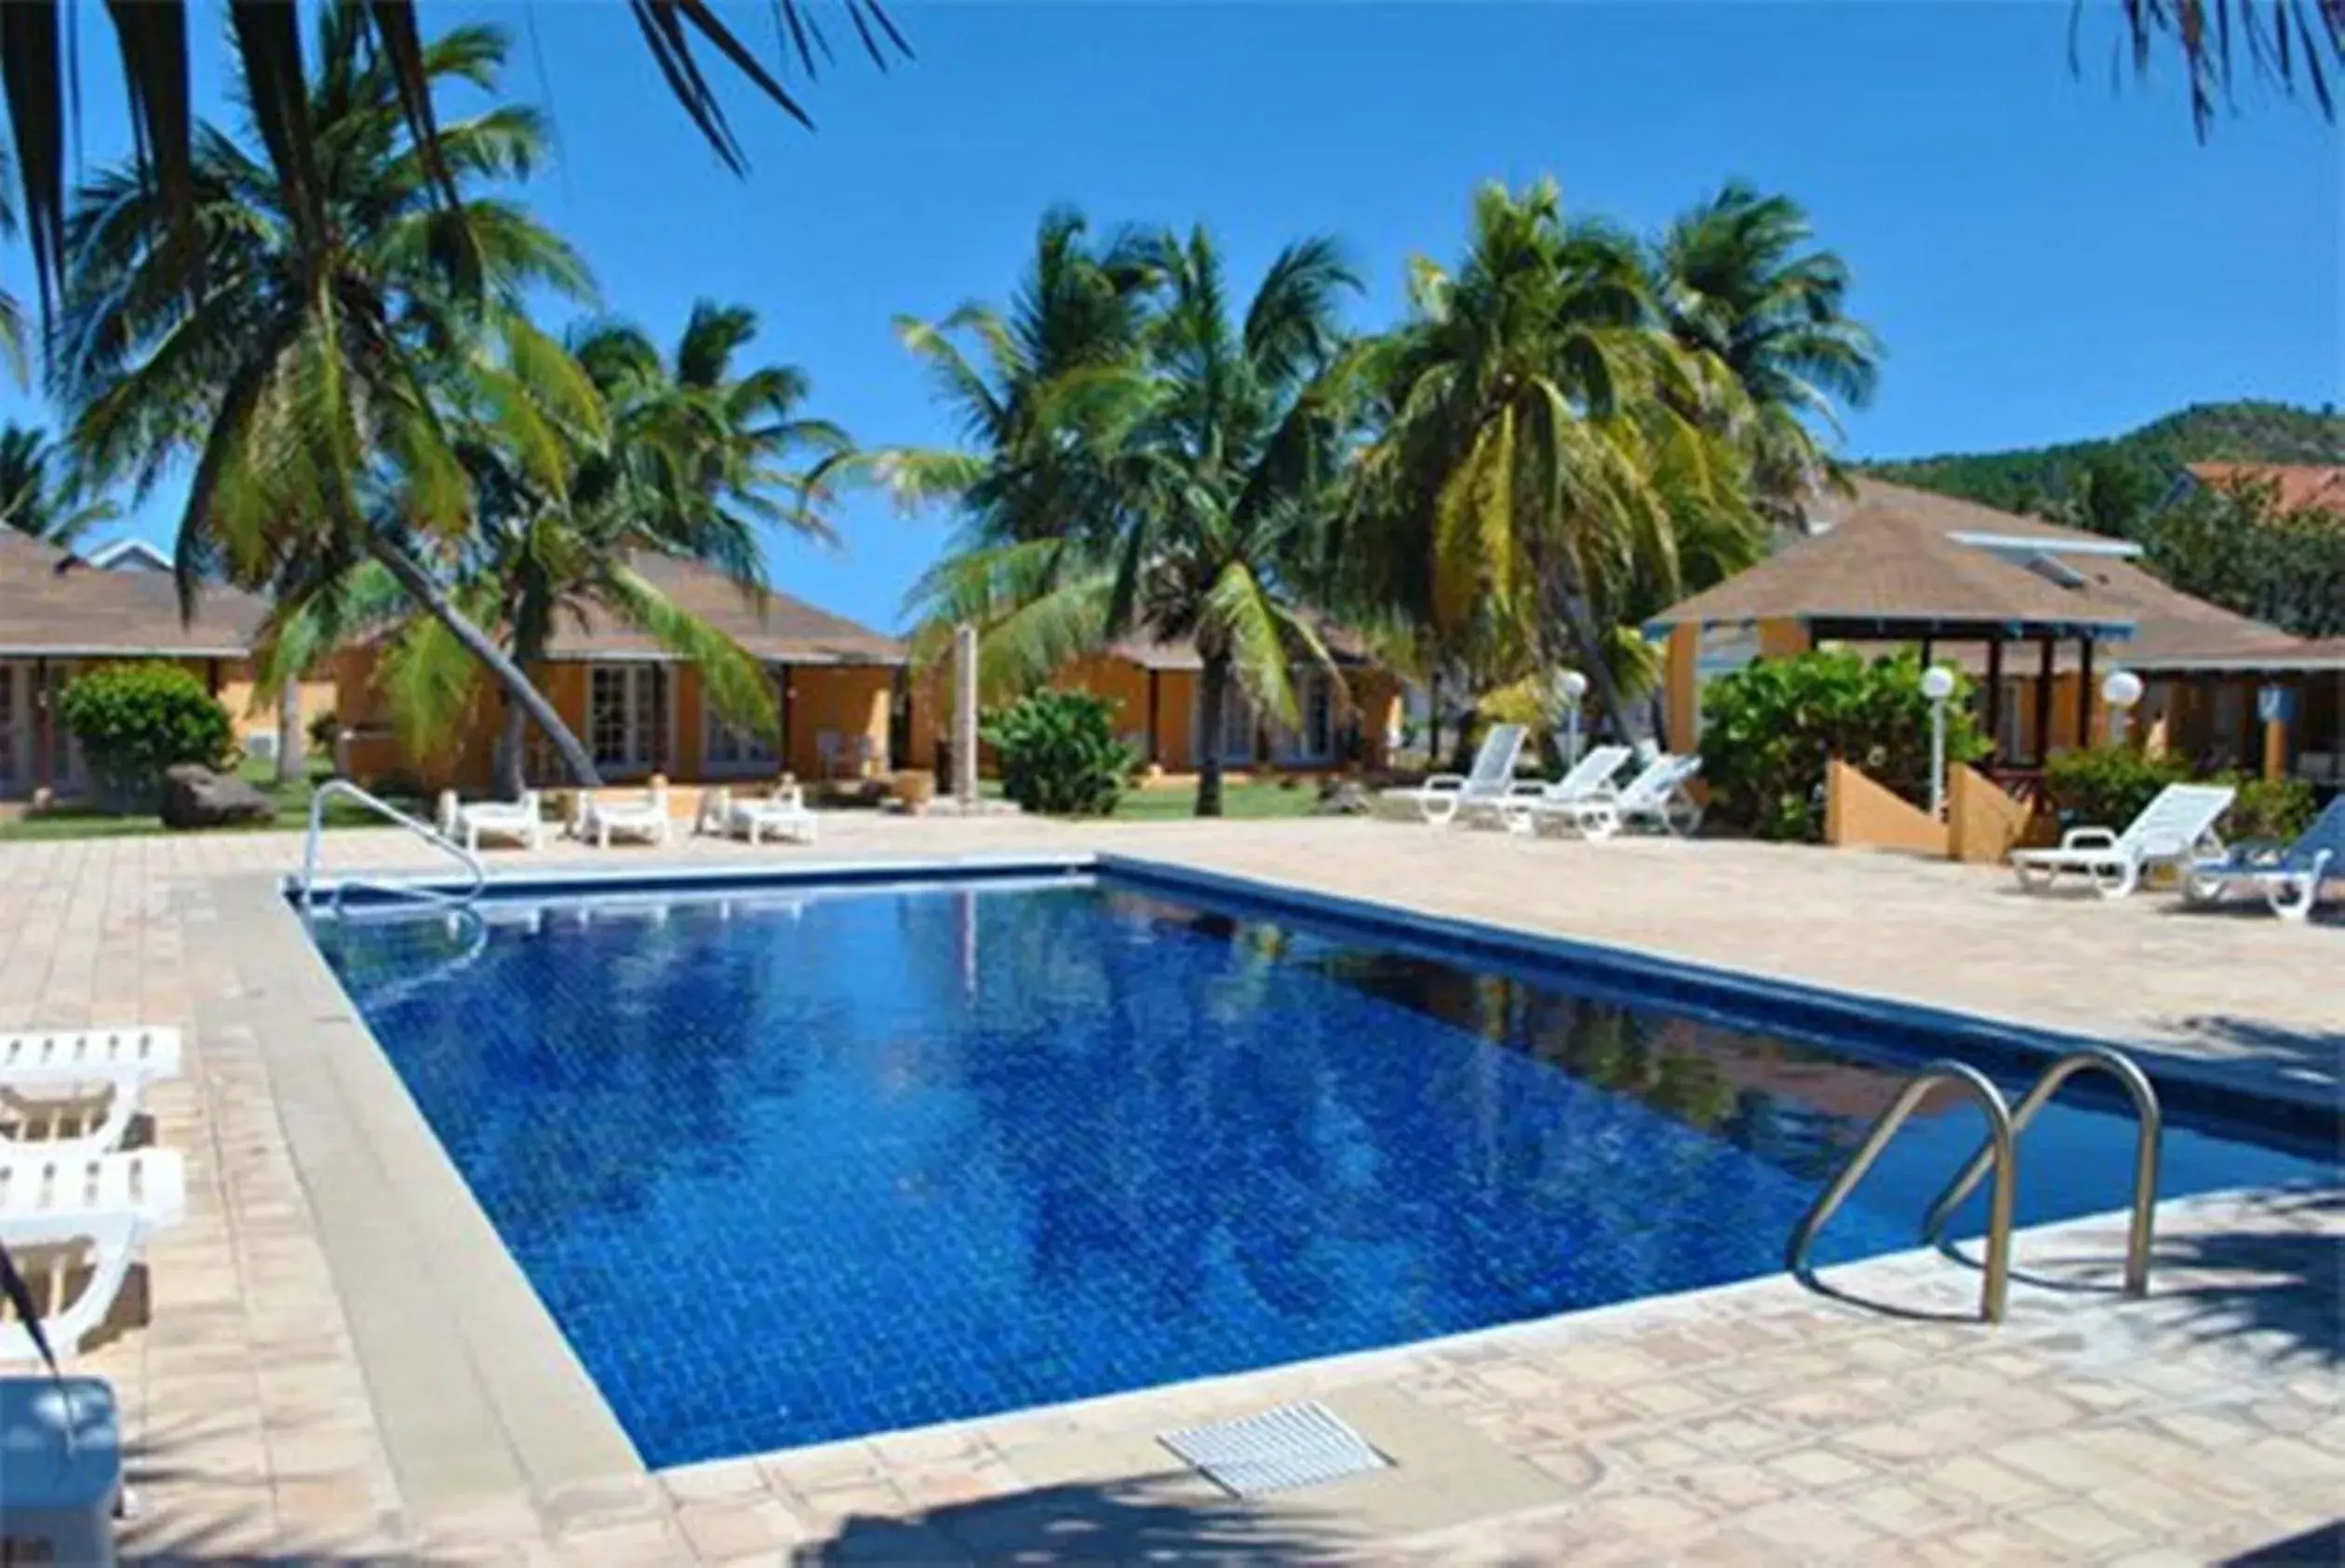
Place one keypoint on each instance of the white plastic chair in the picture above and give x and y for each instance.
(1656, 797)
(2175, 828)
(1587, 778)
(112, 1203)
(643, 815)
(1443, 797)
(782, 812)
(45, 1071)
(468, 823)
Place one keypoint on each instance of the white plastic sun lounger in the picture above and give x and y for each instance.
(641, 816)
(1443, 797)
(780, 813)
(1656, 798)
(111, 1203)
(2289, 876)
(469, 821)
(1588, 777)
(2175, 828)
(64, 1066)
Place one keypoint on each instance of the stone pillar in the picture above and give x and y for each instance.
(965, 715)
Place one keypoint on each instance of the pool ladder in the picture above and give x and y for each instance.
(1997, 1155)
(343, 789)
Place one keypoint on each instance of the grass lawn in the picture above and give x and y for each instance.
(292, 801)
(1256, 797)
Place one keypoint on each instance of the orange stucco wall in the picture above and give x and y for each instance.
(1983, 824)
(1861, 813)
(850, 700)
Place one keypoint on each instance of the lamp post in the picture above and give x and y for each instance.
(2121, 692)
(1937, 684)
(1574, 686)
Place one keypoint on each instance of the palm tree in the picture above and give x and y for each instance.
(1544, 452)
(1191, 486)
(308, 350)
(1737, 277)
(1075, 324)
(37, 495)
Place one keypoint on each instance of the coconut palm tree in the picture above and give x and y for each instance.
(1189, 498)
(1544, 449)
(307, 350)
(1075, 323)
(1738, 277)
(38, 495)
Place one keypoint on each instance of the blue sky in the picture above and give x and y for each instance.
(2045, 259)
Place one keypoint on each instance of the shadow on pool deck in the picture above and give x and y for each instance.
(2323, 1544)
(2289, 1058)
(2284, 1284)
(1153, 1518)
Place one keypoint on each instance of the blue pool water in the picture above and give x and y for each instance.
(795, 1166)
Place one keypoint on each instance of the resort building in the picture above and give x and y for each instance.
(61, 614)
(2038, 614)
(1347, 716)
(845, 701)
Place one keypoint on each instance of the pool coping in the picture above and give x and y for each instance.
(525, 1414)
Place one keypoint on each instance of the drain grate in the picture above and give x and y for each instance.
(1293, 1445)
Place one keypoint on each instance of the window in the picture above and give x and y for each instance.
(728, 748)
(1238, 726)
(1318, 716)
(12, 768)
(65, 774)
(627, 717)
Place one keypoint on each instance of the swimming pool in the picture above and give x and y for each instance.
(795, 1163)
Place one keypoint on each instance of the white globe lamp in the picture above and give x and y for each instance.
(2121, 692)
(1937, 684)
(1573, 687)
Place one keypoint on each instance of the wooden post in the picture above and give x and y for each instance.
(965, 715)
(1996, 699)
(1156, 708)
(2086, 703)
(2044, 700)
(44, 726)
(2275, 749)
(782, 704)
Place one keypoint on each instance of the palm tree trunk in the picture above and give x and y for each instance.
(1212, 702)
(1580, 616)
(291, 736)
(511, 754)
(482, 646)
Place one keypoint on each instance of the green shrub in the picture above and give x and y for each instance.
(1059, 755)
(1769, 728)
(323, 731)
(2270, 809)
(135, 720)
(2107, 786)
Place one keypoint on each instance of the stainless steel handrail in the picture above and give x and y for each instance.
(345, 789)
(1997, 1288)
(2151, 1120)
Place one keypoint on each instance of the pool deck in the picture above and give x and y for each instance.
(334, 1360)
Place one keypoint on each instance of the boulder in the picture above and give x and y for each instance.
(1344, 797)
(195, 797)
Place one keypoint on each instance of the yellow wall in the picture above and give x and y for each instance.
(850, 698)
(1983, 824)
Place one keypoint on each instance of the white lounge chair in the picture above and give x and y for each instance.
(2289, 876)
(2175, 828)
(1441, 799)
(109, 1204)
(782, 812)
(1656, 798)
(1590, 776)
(643, 815)
(469, 821)
(67, 1067)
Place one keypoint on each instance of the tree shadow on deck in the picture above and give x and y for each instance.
(1169, 1518)
(2297, 1058)
(2282, 1283)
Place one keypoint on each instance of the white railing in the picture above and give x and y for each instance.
(345, 789)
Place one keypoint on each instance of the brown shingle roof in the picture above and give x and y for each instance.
(1891, 557)
(52, 605)
(781, 628)
(1343, 645)
(2300, 485)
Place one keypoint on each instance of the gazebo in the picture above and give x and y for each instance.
(2037, 613)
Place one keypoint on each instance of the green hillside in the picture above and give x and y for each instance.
(2127, 470)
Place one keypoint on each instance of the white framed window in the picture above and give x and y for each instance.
(1238, 726)
(728, 748)
(627, 717)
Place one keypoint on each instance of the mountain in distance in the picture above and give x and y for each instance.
(2145, 462)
